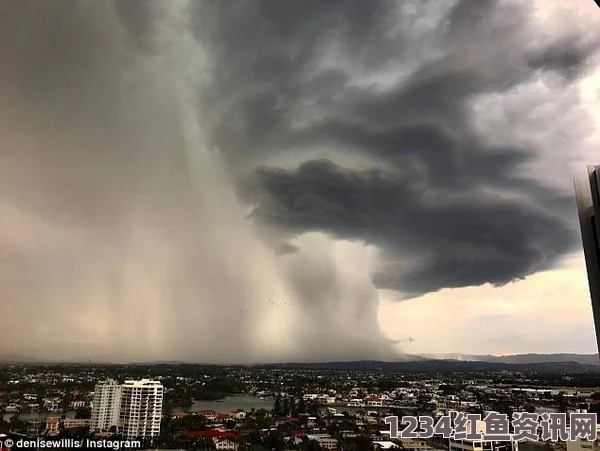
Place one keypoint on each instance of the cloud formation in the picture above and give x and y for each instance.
(438, 237)
(226, 182)
(449, 208)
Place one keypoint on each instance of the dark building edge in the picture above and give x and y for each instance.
(588, 206)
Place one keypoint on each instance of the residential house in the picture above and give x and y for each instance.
(211, 433)
(73, 423)
(225, 443)
(78, 404)
(414, 444)
(51, 404)
(325, 441)
(385, 445)
(238, 414)
(223, 417)
(52, 426)
(210, 415)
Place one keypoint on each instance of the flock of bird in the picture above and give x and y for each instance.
(270, 303)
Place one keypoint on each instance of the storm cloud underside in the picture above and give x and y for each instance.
(217, 181)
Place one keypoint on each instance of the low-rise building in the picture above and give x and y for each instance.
(73, 423)
(414, 444)
(372, 401)
(325, 441)
(225, 443)
(52, 425)
(381, 445)
(78, 404)
(238, 414)
(210, 415)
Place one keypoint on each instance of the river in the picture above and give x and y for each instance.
(226, 405)
(38, 416)
(229, 404)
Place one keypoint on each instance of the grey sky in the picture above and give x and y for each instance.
(239, 181)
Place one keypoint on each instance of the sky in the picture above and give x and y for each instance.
(262, 181)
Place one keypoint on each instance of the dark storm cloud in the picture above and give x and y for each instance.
(270, 65)
(265, 57)
(114, 212)
(113, 207)
(461, 242)
(140, 18)
(432, 205)
(568, 57)
(85, 111)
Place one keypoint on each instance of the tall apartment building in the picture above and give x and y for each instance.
(106, 406)
(587, 192)
(141, 409)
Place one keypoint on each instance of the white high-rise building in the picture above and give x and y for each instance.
(106, 406)
(141, 409)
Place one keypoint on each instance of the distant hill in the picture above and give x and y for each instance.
(405, 362)
(444, 366)
(13, 358)
(584, 359)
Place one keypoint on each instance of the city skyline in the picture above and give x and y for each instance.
(198, 181)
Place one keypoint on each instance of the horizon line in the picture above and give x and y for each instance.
(426, 356)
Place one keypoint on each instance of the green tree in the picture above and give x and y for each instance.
(66, 401)
(83, 414)
(385, 384)
(562, 403)
(254, 437)
(261, 414)
(312, 445)
(205, 443)
(15, 424)
(277, 406)
(313, 408)
(41, 392)
(275, 441)
(333, 429)
(189, 422)
(363, 443)
(301, 406)
(168, 408)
